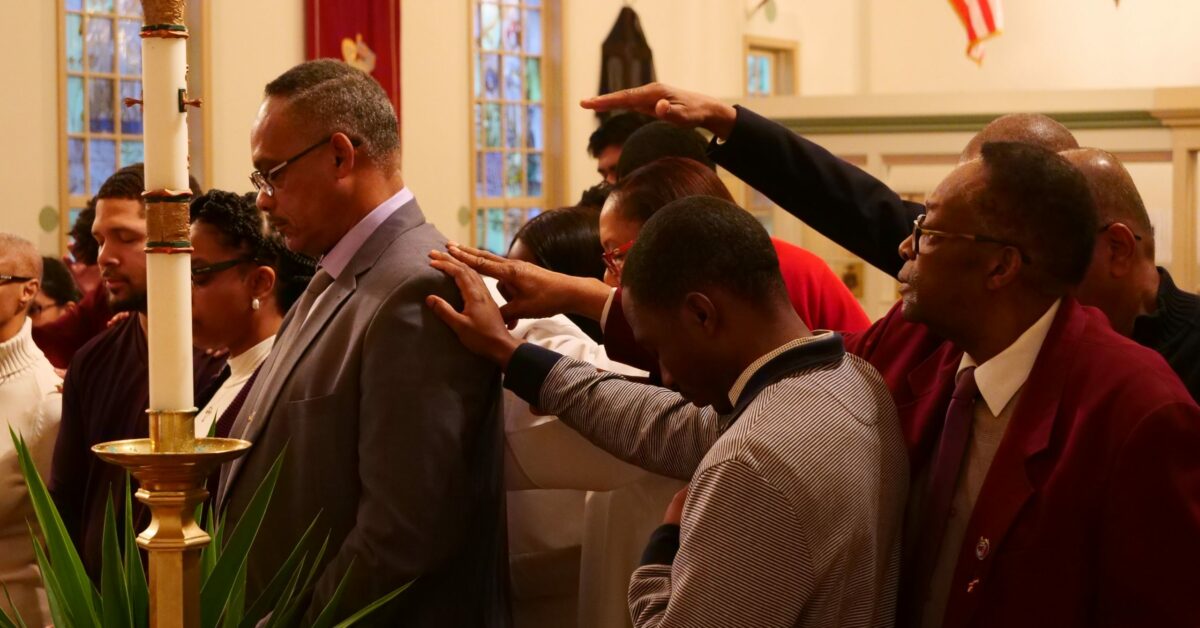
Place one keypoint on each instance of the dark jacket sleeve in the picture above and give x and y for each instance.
(841, 201)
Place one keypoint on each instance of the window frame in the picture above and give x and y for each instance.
(199, 126)
(552, 104)
(785, 64)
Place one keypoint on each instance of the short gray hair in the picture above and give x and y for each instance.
(336, 97)
(22, 254)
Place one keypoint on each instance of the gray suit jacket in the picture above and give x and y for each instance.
(393, 439)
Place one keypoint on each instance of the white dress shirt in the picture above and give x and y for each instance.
(241, 367)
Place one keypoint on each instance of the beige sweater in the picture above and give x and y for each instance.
(31, 404)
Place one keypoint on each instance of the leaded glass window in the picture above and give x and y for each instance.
(102, 59)
(509, 129)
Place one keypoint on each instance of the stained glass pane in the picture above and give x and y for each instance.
(752, 75)
(512, 126)
(100, 6)
(99, 33)
(491, 76)
(129, 7)
(511, 23)
(75, 178)
(534, 173)
(477, 66)
(533, 79)
(131, 117)
(512, 174)
(100, 105)
(533, 213)
(495, 240)
(74, 33)
(129, 46)
(102, 156)
(512, 78)
(533, 134)
(74, 5)
(489, 17)
(495, 173)
(764, 74)
(132, 152)
(533, 32)
(480, 175)
(478, 129)
(480, 226)
(515, 218)
(74, 104)
(491, 125)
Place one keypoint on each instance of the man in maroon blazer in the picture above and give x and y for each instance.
(1063, 487)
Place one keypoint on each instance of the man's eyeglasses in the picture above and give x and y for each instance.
(615, 258)
(919, 231)
(265, 182)
(208, 270)
(7, 279)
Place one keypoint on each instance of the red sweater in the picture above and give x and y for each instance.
(62, 338)
(819, 296)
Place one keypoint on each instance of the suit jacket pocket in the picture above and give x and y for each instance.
(315, 408)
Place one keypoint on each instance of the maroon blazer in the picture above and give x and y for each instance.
(1090, 512)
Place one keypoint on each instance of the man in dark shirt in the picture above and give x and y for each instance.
(105, 393)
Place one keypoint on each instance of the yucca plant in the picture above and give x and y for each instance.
(123, 599)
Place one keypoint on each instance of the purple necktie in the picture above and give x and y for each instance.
(943, 478)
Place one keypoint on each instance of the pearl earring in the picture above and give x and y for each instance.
(255, 303)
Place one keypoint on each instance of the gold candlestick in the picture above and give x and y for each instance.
(172, 481)
(172, 465)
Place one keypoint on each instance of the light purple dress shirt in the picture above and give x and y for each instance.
(335, 261)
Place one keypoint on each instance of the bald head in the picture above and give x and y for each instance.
(1113, 191)
(19, 257)
(1026, 128)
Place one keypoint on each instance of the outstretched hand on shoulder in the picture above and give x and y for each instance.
(479, 326)
(533, 291)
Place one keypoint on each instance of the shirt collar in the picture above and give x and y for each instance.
(1001, 377)
(740, 383)
(243, 365)
(336, 260)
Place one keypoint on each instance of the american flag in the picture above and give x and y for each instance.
(983, 20)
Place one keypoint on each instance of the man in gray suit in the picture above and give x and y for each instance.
(390, 426)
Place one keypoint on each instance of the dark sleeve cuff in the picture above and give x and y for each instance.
(529, 366)
(716, 149)
(663, 545)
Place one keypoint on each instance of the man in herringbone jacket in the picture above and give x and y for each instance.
(797, 466)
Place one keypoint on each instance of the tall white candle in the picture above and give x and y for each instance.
(168, 276)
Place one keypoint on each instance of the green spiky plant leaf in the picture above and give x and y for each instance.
(123, 600)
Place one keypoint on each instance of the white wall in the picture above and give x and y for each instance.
(29, 118)
(250, 43)
(1060, 44)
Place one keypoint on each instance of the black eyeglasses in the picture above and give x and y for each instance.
(919, 230)
(7, 279)
(266, 182)
(200, 272)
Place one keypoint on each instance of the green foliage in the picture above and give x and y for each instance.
(123, 600)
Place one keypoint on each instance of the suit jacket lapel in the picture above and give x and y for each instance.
(1008, 485)
(260, 405)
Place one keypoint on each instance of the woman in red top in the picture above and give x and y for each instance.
(819, 296)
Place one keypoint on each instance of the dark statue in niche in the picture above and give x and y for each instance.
(625, 58)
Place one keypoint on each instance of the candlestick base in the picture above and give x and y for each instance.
(172, 484)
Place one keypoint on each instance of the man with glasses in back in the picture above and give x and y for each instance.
(106, 391)
(392, 429)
